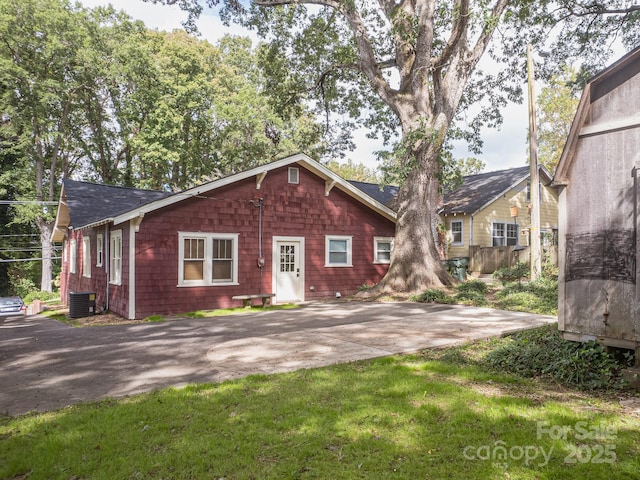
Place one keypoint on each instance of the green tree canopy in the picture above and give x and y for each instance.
(413, 66)
(95, 95)
(556, 107)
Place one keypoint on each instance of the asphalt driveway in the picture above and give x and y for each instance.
(47, 365)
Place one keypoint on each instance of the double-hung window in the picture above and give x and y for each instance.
(338, 251)
(207, 259)
(99, 250)
(73, 253)
(504, 234)
(456, 232)
(115, 259)
(86, 257)
(382, 249)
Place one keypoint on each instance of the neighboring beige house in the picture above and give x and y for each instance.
(478, 213)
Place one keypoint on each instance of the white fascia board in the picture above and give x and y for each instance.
(300, 158)
(541, 168)
(59, 231)
(349, 189)
(511, 187)
(207, 187)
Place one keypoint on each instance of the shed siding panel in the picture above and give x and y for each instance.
(599, 295)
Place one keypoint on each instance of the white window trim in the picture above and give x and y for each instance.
(506, 231)
(208, 260)
(377, 240)
(327, 241)
(461, 242)
(73, 255)
(294, 175)
(115, 274)
(99, 250)
(86, 256)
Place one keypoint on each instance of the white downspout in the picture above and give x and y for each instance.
(134, 227)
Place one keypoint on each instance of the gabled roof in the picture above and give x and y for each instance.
(385, 194)
(475, 193)
(84, 205)
(478, 191)
(596, 87)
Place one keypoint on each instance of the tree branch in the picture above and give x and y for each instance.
(461, 22)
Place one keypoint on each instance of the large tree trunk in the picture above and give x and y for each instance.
(46, 229)
(415, 261)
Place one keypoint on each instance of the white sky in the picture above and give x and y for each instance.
(505, 148)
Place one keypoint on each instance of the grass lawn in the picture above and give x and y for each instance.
(436, 415)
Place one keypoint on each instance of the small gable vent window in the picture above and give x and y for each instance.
(294, 175)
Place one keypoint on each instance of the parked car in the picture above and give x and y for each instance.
(11, 306)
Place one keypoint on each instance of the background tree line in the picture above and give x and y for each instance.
(92, 94)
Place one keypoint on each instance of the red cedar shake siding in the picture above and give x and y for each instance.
(299, 210)
(290, 210)
(97, 283)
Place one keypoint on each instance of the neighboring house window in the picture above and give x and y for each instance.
(86, 257)
(99, 250)
(382, 249)
(207, 259)
(456, 232)
(115, 262)
(338, 251)
(294, 175)
(504, 234)
(72, 256)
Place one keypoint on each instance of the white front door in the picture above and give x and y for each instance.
(288, 268)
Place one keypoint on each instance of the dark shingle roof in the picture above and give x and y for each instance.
(386, 195)
(90, 202)
(478, 190)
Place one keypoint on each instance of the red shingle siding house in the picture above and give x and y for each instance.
(291, 227)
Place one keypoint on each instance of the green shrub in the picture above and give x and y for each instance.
(433, 295)
(476, 286)
(23, 287)
(471, 297)
(506, 275)
(539, 296)
(543, 352)
(550, 271)
(38, 295)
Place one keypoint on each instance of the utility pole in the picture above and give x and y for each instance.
(536, 262)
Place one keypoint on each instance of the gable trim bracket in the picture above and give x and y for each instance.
(260, 179)
(328, 185)
(136, 222)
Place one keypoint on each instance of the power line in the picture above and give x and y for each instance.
(26, 202)
(22, 235)
(29, 259)
(17, 249)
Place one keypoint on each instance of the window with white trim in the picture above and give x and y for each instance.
(99, 250)
(503, 233)
(338, 251)
(73, 253)
(456, 232)
(294, 175)
(207, 259)
(382, 249)
(86, 257)
(115, 260)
